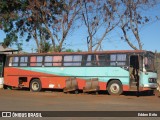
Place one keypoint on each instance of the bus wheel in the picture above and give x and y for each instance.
(35, 85)
(115, 87)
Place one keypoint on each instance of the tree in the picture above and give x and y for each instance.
(37, 20)
(134, 18)
(99, 18)
(8, 14)
(48, 22)
(66, 21)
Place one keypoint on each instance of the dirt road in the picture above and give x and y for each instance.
(20, 100)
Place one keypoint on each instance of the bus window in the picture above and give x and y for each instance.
(88, 62)
(118, 59)
(23, 61)
(48, 60)
(72, 60)
(77, 60)
(149, 63)
(68, 60)
(121, 59)
(36, 61)
(14, 61)
(113, 60)
(101, 60)
(10, 61)
(107, 60)
(33, 61)
(57, 60)
(39, 60)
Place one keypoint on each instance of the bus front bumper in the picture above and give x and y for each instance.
(151, 85)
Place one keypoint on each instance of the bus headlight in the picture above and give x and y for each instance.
(152, 80)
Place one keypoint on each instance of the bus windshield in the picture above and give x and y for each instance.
(149, 63)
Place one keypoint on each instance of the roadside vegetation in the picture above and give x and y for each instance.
(49, 22)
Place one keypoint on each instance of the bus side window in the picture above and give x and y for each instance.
(48, 60)
(33, 60)
(113, 60)
(107, 61)
(88, 62)
(39, 61)
(84, 60)
(121, 59)
(15, 61)
(23, 61)
(10, 61)
(68, 60)
(36, 60)
(57, 60)
(77, 60)
(101, 60)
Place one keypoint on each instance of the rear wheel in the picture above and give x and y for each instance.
(115, 87)
(35, 85)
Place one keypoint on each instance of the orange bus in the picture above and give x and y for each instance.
(114, 71)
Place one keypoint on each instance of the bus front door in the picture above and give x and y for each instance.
(134, 72)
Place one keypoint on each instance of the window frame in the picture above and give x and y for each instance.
(85, 60)
(72, 62)
(42, 63)
(23, 62)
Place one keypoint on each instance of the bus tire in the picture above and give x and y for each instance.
(115, 87)
(35, 85)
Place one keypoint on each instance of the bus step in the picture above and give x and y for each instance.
(134, 84)
(91, 86)
(133, 88)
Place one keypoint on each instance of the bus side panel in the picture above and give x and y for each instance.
(11, 76)
(53, 82)
(126, 87)
(52, 77)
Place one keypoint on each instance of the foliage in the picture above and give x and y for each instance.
(99, 17)
(49, 22)
(133, 19)
(8, 14)
(69, 50)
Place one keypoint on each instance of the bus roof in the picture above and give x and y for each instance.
(76, 53)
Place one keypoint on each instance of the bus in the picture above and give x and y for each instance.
(2, 61)
(113, 71)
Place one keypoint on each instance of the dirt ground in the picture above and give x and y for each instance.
(24, 100)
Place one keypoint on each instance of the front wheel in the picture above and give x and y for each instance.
(115, 87)
(35, 85)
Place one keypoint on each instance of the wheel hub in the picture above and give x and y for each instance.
(114, 88)
(35, 86)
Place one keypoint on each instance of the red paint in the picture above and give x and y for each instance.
(125, 87)
(12, 75)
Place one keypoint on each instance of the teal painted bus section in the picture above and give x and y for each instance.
(145, 76)
(104, 74)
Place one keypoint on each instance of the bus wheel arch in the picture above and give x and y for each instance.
(35, 85)
(114, 87)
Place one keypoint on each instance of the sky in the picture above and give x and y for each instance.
(149, 34)
(150, 37)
